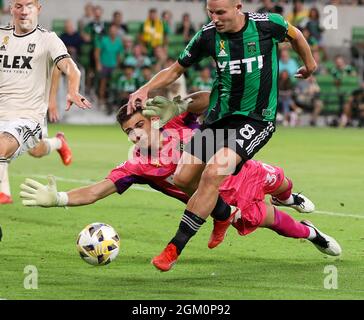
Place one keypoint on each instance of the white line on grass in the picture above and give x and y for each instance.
(148, 189)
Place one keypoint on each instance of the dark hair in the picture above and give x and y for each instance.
(123, 116)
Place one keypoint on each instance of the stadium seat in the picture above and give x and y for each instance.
(357, 35)
(85, 55)
(332, 95)
(134, 27)
(58, 26)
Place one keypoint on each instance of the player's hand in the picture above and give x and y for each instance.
(164, 108)
(78, 100)
(137, 98)
(304, 73)
(53, 114)
(34, 193)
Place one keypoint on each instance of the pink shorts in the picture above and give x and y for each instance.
(247, 191)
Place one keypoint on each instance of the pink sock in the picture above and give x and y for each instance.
(286, 194)
(286, 226)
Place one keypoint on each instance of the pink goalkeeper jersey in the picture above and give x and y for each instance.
(250, 184)
(158, 171)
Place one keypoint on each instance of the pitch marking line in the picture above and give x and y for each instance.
(148, 189)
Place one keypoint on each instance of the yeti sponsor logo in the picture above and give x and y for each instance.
(235, 66)
(16, 62)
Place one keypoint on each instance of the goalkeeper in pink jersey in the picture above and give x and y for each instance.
(154, 161)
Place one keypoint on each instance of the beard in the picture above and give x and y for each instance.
(27, 25)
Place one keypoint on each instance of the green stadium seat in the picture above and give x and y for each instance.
(357, 35)
(176, 39)
(134, 27)
(332, 95)
(85, 54)
(58, 26)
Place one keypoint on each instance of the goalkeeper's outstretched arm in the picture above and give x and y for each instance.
(33, 193)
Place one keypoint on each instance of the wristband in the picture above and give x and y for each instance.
(62, 199)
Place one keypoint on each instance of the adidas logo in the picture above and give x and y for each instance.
(222, 53)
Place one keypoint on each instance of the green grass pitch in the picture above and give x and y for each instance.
(326, 164)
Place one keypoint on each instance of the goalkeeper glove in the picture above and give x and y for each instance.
(34, 193)
(164, 108)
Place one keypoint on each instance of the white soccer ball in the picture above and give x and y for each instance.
(98, 244)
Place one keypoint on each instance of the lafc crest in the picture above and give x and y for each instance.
(31, 47)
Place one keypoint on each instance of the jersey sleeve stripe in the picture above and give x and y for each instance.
(59, 58)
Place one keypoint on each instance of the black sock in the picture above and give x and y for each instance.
(222, 210)
(188, 227)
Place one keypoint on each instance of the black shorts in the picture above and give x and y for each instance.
(245, 136)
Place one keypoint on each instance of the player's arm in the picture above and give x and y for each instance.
(52, 103)
(301, 46)
(162, 79)
(34, 193)
(166, 109)
(69, 68)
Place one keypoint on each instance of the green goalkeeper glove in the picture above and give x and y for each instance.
(34, 193)
(164, 108)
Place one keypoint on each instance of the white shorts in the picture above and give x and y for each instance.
(28, 133)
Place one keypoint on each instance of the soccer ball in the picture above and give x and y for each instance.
(98, 244)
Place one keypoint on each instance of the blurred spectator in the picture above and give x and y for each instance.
(146, 74)
(354, 109)
(298, 14)
(341, 69)
(72, 39)
(321, 69)
(160, 58)
(138, 59)
(286, 63)
(94, 30)
(167, 24)
(152, 31)
(126, 85)
(313, 25)
(310, 39)
(117, 20)
(186, 28)
(4, 9)
(268, 6)
(108, 56)
(177, 88)
(285, 100)
(203, 82)
(85, 21)
(307, 97)
(128, 42)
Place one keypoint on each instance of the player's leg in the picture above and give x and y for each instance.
(286, 226)
(222, 164)
(47, 145)
(188, 173)
(283, 196)
(8, 146)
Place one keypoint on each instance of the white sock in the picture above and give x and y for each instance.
(4, 177)
(290, 200)
(312, 234)
(53, 144)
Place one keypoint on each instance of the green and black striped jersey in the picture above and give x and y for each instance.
(246, 80)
